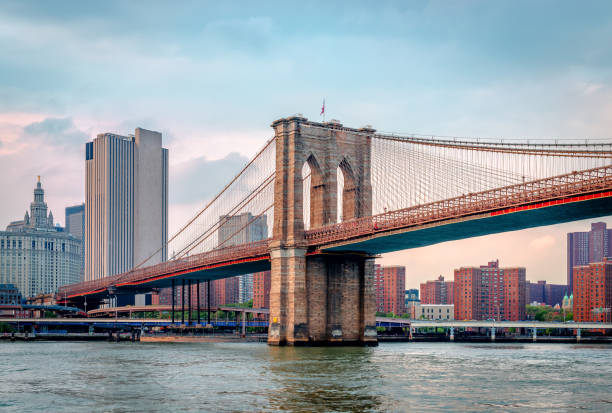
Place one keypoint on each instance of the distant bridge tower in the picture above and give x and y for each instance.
(320, 298)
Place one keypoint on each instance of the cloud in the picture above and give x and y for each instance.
(200, 179)
(55, 132)
(542, 243)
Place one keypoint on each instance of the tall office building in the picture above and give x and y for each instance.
(586, 247)
(126, 205)
(35, 255)
(236, 230)
(437, 291)
(490, 292)
(75, 225)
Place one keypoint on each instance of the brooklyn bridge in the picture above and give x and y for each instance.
(333, 198)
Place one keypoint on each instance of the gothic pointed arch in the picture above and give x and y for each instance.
(349, 193)
(313, 192)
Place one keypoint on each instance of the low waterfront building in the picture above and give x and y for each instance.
(432, 311)
(37, 256)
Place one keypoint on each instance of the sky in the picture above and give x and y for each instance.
(212, 76)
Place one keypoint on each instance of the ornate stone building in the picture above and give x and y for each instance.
(37, 256)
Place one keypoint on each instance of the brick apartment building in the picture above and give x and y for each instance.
(390, 289)
(593, 291)
(490, 292)
(586, 247)
(261, 289)
(437, 292)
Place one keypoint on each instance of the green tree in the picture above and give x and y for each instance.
(6, 328)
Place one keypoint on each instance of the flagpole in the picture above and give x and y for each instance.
(323, 111)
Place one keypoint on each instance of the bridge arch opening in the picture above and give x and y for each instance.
(313, 190)
(347, 192)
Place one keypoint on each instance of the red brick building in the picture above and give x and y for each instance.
(466, 280)
(379, 282)
(437, 292)
(390, 289)
(593, 291)
(490, 292)
(225, 291)
(261, 289)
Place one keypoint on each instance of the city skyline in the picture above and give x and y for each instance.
(220, 65)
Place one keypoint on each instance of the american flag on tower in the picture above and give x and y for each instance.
(323, 108)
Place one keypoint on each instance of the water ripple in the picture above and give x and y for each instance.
(237, 377)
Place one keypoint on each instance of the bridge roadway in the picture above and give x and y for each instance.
(168, 308)
(380, 322)
(564, 198)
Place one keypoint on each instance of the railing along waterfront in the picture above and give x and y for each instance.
(518, 195)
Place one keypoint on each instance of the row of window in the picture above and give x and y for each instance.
(47, 245)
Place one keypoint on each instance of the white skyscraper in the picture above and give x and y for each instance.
(126, 202)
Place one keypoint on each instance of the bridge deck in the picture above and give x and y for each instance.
(579, 195)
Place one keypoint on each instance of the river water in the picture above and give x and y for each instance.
(234, 377)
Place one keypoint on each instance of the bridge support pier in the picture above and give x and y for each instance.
(189, 302)
(452, 334)
(492, 333)
(183, 304)
(321, 299)
(208, 302)
(198, 301)
(578, 335)
(244, 324)
(535, 335)
(173, 300)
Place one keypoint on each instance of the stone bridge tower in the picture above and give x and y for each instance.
(317, 297)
